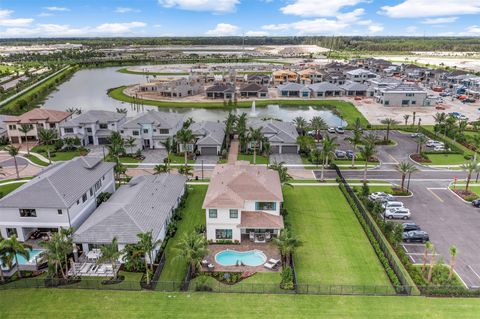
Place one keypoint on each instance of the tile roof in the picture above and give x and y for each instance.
(35, 115)
(405, 87)
(156, 118)
(59, 186)
(221, 87)
(354, 86)
(94, 116)
(209, 133)
(291, 86)
(233, 184)
(254, 87)
(276, 131)
(262, 220)
(143, 205)
(323, 87)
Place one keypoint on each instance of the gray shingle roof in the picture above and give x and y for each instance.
(156, 118)
(94, 116)
(143, 205)
(59, 186)
(290, 86)
(280, 132)
(323, 87)
(354, 86)
(405, 87)
(209, 133)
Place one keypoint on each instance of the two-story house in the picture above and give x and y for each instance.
(63, 196)
(93, 127)
(360, 75)
(36, 119)
(152, 128)
(243, 202)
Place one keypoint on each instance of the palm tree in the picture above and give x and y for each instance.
(476, 143)
(186, 170)
(185, 137)
(15, 248)
(266, 149)
(148, 246)
(192, 247)
(13, 152)
(388, 122)
(3, 259)
(57, 250)
(428, 247)
(440, 118)
(282, 172)
(367, 151)
(318, 124)
(122, 110)
(168, 144)
(453, 255)
(405, 168)
(300, 124)
(255, 137)
(229, 127)
(161, 168)
(355, 140)
(413, 118)
(25, 128)
(470, 167)
(328, 148)
(287, 242)
(432, 262)
(111, 254)
(406, 117)
(130, 142)
(241, 129)
(116, 146)
(47, 137)
(186, 124)
(421, 140)
(371, 138)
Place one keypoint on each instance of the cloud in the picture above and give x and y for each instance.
(57, 9)
(318, 8)
(45, 14)
(216, 6)
(411, 30)
(125, 10)
(305, 27)
(7, 21)
(375, 28)
(440, 20)
(256, 33)
(431, 8)
(223, 29)
(473, 30)
(65, 30)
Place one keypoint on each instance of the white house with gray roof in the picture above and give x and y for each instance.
(282, 136)
(291, 89)
(209, 138)
(403, 94)
(62, 196)
(152, 128)
(93, 127)
(325, 89)
(145, 204)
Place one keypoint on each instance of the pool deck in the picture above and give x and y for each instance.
(269, 249)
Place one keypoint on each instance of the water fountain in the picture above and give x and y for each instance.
(253, 111)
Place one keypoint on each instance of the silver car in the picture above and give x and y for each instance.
(397, 213)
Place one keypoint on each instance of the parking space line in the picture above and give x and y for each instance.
(438, 197)
(394, 159)
(458, 276)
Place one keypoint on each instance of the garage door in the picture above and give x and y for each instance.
(103, 140)
(208, 151)
(291, 149)
(275, 149)
(14, 139)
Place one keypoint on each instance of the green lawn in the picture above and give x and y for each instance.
(55, 155)
(179, 159)
(336, 249)
(192, 215)
(124, 159)
(259, 158)
(446, 159)
(51, 303)
(261, 282)
(5, 189)
(35, 160)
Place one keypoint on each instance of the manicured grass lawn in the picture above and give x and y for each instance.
(55, 155)
(180, 159)
(14, 179)
(475, 189)
(261, 282)
(124, 159)
(259, 159)
(336, 249)
(192, 215)
(446, 159)
(51, 303)
(36, 160)
(5, 189)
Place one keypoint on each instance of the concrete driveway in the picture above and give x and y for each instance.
(207, 159)
(154, 156)
(286, 158)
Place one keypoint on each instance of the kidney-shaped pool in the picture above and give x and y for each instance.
(248, 258)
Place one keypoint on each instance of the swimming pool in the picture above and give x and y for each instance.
(33, 253)
(248, 258)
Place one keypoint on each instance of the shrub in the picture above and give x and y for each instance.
(287, 279)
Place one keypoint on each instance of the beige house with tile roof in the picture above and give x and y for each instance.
(243, 202)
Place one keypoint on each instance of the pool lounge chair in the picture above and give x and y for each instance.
(274, 261)
(269, 265)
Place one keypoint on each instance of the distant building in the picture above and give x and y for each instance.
(254, 90)
(402, 95)
(220, 91)
(293, 90)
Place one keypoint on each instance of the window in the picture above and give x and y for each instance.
(12, 232)
(164, 131)
(410, 94)
(154, 129)
(68, 130)
(223, 234)
(414, 102)
(52, 125)
(103, 126)
(28, 212)
(89, 129)
(145, 131)
(91, 191)
(121, 131)
(265, 205)
(98, 185)
(84, 198)
(12, 127)
(59, 211)
(135, 133)
(212, 213)
(233, 213)
(405, 102)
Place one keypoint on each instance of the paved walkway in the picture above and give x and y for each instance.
(233, 152)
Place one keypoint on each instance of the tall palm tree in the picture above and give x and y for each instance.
(3, 259)
(255, 137)
(192, 247)
(421, 140)
(406, 117)
(432, 263)
(57, 250)
(282, 172)
(371, 138)
(328, 148)
(453, 257)
(13, 152)
(428, 248)
(440, 118)
(122, 110)
(116, 146)
(25, 128)
(111, 254)
(470, 167)
(318, 124)
(367, 151)
(168, 144)
(355, 140)
(357, 125)
(388, 122)
(148, 246)
(267, 149)
(15, 248)
(130, 142)
(476, 143)
(47, 137)
(241, 129)
(405, 168)
(185, 137)
(229, 127)
(286, 242)
(161, 168)
(413, 118)
(300, 124)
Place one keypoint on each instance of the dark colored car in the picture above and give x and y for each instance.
(350, 154)
(416, 236)
(476, 202)
(410, 226)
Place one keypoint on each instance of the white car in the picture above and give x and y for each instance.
(331, 130)
(400, 213)
(439, 148)
(431, 143)
(392, 205)
(379, 196)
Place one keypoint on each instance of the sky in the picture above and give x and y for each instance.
(98, 18)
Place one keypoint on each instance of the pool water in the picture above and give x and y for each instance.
(248, 258)
(22, 261)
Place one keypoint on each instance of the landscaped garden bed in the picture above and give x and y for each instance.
(466, 195)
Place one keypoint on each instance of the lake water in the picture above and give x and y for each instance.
(87, 89)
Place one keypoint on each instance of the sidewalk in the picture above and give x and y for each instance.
(233, 152)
